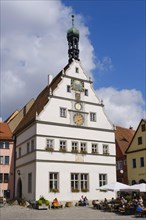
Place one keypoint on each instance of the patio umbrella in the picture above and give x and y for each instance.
(114, 186)
(141, 187)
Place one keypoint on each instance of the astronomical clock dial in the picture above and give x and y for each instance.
(78, 106)
(78, 119)
(77, 85)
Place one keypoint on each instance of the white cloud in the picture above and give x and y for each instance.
(33, 44)
(123, 107)
(105, 64)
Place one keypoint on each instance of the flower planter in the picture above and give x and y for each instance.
(42, 207)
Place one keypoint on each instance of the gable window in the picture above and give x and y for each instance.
(143, 127)
(105, 149)
(141, 161)
(92, 116)
(77, 70)
(134, 163)
(102, 179)
(68, 88)
(139, 140)
(53, 182)
(86, 92)
(29, 182)
(94, 148)
(63, 112)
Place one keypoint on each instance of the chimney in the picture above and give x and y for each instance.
(50, 77)
(131, 128)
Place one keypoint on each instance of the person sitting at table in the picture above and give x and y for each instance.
(123, 201)
(81, 201)
(86, 201)
(55, 203)
(140, 201)
(112, 201)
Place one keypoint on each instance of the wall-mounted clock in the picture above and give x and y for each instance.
(78, 106)
(77, 85)
(78, 119)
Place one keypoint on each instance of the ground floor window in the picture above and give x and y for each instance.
(79, 182)
(102, 179)
(53, 182)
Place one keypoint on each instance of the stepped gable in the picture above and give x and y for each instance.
(5, 132)
(123, 137)
(40, 102)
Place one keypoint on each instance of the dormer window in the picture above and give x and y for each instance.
(86, 92)
(68, 88)
(92, 116)
(63, 112)
(77, 70)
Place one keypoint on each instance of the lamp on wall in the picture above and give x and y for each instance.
(121, 171)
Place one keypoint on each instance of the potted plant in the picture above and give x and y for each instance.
(75, 190)
(83, 152)
(84, 190)
(54, 190)
(42, 203)
(50, 149)
(74, 151)
(62, 150)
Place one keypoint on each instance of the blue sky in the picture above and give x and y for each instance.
(112, 52)
(117, 29)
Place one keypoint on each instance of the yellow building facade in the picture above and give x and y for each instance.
(136, 155)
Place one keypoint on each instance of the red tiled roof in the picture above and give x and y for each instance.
(5, 132)
(39, 103)
(123, 137)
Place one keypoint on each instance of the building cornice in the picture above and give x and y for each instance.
(69, 99)
(66, 162)
(75, 126)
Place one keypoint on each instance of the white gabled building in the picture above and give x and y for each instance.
(65, 145)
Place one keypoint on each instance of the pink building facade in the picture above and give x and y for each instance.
(6, 162)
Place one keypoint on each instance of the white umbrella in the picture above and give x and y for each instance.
(141, 187)
(114, 186)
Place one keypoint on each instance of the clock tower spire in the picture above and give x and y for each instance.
(73, 42)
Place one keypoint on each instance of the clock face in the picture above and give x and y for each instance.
(78, 119)
(78, 106)
(77, 85)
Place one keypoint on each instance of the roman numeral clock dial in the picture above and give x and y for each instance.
(78, 119)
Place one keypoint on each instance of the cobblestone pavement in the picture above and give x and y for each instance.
(74, 213)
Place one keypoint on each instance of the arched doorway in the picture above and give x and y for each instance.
(133, 182)
(142, 181)
(19, 189)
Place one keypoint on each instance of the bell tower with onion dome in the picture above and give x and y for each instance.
(73, 42)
